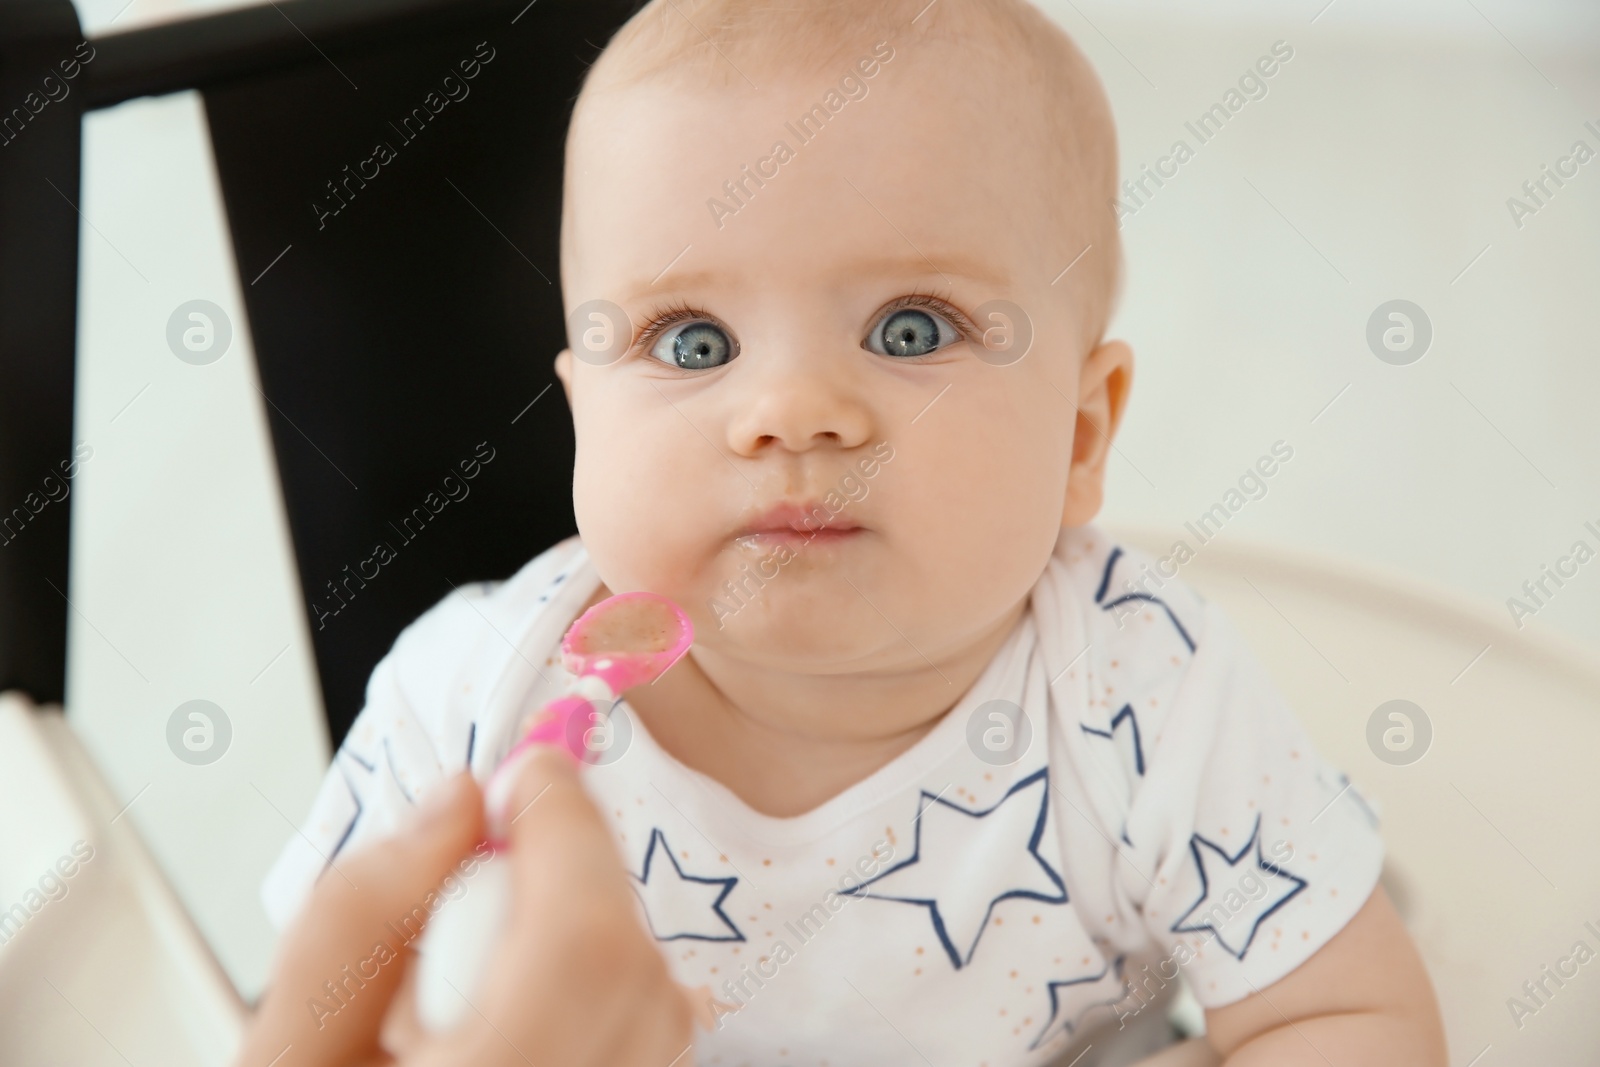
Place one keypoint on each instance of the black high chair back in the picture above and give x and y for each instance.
(392, 176)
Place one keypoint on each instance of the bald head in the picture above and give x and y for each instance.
(1029, 72)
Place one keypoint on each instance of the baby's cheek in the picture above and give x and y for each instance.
(984, 524)
(979, 570)
(646, 524)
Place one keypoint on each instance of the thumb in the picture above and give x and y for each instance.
(573, 932)
(559, 840)
(342, 960)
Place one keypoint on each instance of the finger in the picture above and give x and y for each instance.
(659, 1033)
(578, 979)
(342, 960)
(574, 933)
(558, 838)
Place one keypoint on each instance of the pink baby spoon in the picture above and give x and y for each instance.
(624, 641)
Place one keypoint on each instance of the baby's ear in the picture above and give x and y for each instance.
(1104, 381)
(564, 372)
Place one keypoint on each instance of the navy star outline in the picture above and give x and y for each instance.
(1195, 841)
(368, 764)
(355, 797)
(658, 836)
(1126, 714)
(1054, 988)
(1105, 585)
(927, 800)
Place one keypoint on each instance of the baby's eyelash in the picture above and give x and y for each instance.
(664, 318)
(935, 302)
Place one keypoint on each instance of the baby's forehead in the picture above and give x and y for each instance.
(894, 182)
(1015, 69)
(728, 42)
(964, 131)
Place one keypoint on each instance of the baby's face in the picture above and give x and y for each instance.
(815, 359)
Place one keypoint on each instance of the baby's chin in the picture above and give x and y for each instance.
(828, 606)
(812, 621)
(836, 646)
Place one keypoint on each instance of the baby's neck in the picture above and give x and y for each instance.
(786, 743)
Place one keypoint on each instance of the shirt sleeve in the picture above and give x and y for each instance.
(1246, 851)
(385, 763)
(422, 720)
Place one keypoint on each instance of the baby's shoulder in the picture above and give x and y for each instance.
(450, 647)
(1141, 626)
(1130, 600)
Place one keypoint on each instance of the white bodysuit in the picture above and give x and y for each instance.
(1122, 795)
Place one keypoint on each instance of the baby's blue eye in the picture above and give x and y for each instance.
(911, 331)
(697, 345)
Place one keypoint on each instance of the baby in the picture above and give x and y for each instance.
(938, 782)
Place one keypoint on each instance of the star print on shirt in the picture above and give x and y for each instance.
(679, 905)
(1131, 730)
(1111, 605)
(365, 772)
(1235, 914)
(1104, 988)
(969, 861)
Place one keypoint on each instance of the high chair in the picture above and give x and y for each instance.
(359, 323)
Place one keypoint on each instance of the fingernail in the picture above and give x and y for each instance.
(502, 788)
(497, 797)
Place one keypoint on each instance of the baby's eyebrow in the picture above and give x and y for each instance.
(933, 263)
(671, 280)
(910, 266)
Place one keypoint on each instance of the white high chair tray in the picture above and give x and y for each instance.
(100, 966)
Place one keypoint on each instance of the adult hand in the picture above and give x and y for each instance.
(576, 981)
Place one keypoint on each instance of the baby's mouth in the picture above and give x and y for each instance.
(794, 526)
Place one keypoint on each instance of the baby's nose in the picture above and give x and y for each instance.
(797, 402)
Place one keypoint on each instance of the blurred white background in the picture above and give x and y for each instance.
(1377, 167)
